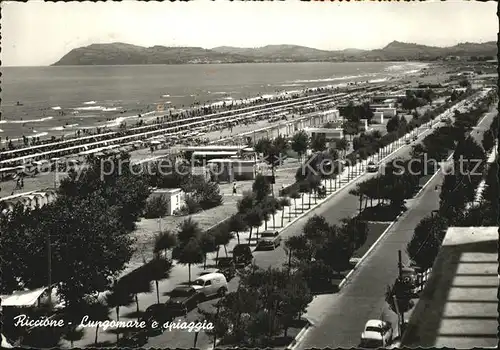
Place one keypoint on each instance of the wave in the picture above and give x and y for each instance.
(64, 127)
(39, 134)
(97, 108)
(56, 108)
(332, 79)
(89, 103)
(25, 121)
(165, 95)
(378, 80)
(285, 85)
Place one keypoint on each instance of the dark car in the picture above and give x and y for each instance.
(182, 299)
(269, 233)
(160, 313)
(268, 243)
(242, 255)
(227, 267)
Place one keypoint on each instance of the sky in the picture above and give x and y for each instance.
(37, 33)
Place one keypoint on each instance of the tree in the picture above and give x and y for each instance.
(342, 145)
(156, 207)
(222, 237)
(426, 241)
(488, 141)
(136, 282)
(246, 203)
(207, 244)
(283, 202)
(298, 248)
(120, 183)
(208, 195)
(393, 124)
(401, 293)
(188, 229)
(159, 269)
(464, 83)
(190, 253)
(261, 188)
(318, 142)
(356, 230)
(270, 206)
(164, 241)
(300, 142)
(294, 195)
(253, 218)
(97, 311)
(237, 224)
(88, 247)
(116, 298)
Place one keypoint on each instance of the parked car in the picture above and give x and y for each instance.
(415, 138)
(269, 233)
(182, 299)
(407, 141)
(242, 255)
(268, 243)
(372, 168)
(227, 267)
(376, 334)
(160, 313)
(209, 285)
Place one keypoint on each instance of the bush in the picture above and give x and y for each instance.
(156, 207)
(208, 195)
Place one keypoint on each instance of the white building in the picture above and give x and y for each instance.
(388, 112)
(378, 117)
(331, 134)
(175, 198)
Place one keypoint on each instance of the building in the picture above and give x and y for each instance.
(378, 117)
(331, 134)
(229, 170)
(30, 200)
(458, 307)
(175, 198)
(388, 112)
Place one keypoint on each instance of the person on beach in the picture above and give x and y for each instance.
(234, 188)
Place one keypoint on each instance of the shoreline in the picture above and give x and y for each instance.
(88, 118)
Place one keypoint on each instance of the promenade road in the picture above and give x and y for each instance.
(363, 296)
(339, 206)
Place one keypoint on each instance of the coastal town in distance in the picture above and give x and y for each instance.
(275, 175)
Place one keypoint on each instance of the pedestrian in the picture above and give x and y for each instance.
(234, 188)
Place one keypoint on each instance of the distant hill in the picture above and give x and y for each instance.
(121, 54)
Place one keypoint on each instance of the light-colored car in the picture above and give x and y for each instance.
(211, 284)
(376, 334)
(372, 167)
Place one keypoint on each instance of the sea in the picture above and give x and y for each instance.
(46, 101)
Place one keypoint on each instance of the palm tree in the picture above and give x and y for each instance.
(190, 253)
(164, 241)
(188, 229)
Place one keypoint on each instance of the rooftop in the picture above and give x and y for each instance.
(458, 307)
